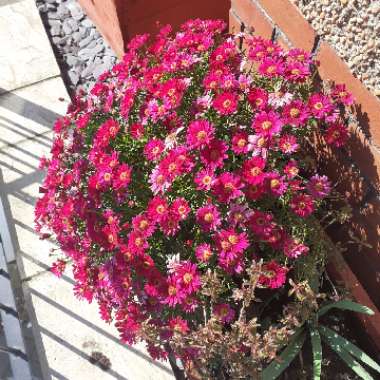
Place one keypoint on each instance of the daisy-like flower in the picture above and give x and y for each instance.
(231, 242)
(297, 71)
(178, 325)
(175, 295)
(180, 208)
(258, 98)
(288, 144)
(226, 103)
(157, 209)
(320, 105)
(294, 249)
(137, 131)
(274, 275)
(208, 217)
(253, 170)
(319, 186)
(254, 192)
(170, 224)
(291, 169)
(341, 95)
(275, 183)
(267, 123)
(279, 98)
(143, 225)
(214, 154)
(204, 179)
(261, 223)
(295, 113)
(188, 277)
(238, 214)
(271, 68)
(227, 187)
(259, 145)
(58, 267)
(302, 205)
(240, 142)
(336, 134)
(122, 178)
(224, 313)
(199, 133)
(203, 252)
(159, 182)
(153, 149)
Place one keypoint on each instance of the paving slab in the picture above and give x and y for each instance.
(70, 343)
(26, 56)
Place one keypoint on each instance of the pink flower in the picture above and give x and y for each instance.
(157, 209)
(215, 153)
(297, 71)
(240, 143)
(204, 179)
(238, 214)
(208, 217)
(336, 134)
(261, 223)
(253, 170)
(58, 267)
(295, 113)
(170, 224)
(175, 295)
(122, 177)
(302, 205)
(271, 68)
(275, 183)
(203, 252)
(178, 325)
(288, 144)
(274, 276)
(224, 313)
(226, 103)
(254, 192)
(294, 249)
(320, 106)
(137, 131)
(267, 123)
(180, 208)
(153, 149)
(227, 187)
(159, 182)
(258, 98)
(143, 225)
(291, 169)
(319, 186)
(341, 95)
(188, 278)
(231, 242)
(199, 133)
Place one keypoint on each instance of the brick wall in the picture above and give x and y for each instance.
(356, 168)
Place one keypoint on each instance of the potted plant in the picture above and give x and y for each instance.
(181, 190)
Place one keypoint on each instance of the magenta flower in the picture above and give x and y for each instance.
(208, 217)
(199, 133)
(267, 123)
(224, 313)
(274, 276)
(319, 186)
(227, 187)
(226, 103)
(302, 205)
(294, 249)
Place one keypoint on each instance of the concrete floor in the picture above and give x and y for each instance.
(64, 331)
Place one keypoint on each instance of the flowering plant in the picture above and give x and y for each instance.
(181, 191)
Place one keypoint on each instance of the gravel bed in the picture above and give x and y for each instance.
(352, 27)
(81, 51)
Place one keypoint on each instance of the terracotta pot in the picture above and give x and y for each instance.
(120, 20)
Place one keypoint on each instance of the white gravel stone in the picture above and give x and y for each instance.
(352, 27)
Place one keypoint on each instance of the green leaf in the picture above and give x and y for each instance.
(317, 353)
(276, 367)
(346, 305)
(349, 360)
(354, 350)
